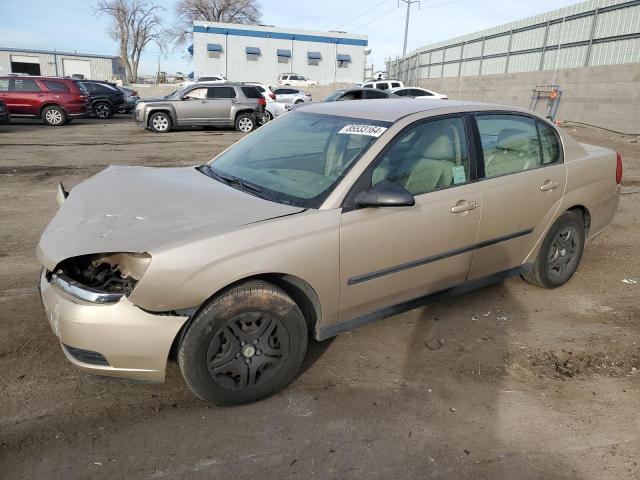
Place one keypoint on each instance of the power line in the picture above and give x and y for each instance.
(339, 17)
(362, 15)
(371, 22)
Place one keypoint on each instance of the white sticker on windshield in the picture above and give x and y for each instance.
(370, 130)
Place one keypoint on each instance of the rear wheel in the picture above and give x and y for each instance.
(298, 102)
(54, 116)
(160, 122)
(245, 122)
(246, 344)
(103, 110)
(560, 252)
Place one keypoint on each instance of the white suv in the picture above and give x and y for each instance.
(383, 84)
(294, 80)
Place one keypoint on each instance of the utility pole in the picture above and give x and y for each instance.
(406, 26)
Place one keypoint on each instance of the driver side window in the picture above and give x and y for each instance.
(200, 93)
(427, 157)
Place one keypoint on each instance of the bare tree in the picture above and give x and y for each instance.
(228, 11)
(134, 24)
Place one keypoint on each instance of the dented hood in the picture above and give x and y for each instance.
(141, 209)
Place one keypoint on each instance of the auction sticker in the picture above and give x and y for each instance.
(370, 130)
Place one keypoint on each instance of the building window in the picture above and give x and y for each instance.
(343, 60)
(284, 55)
(253, 53)
(313, 58)
(214, 50)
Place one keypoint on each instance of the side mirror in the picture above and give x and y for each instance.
(386, 194)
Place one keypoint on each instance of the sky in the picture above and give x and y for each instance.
(72, 25)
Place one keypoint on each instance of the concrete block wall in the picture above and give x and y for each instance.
(607, 96)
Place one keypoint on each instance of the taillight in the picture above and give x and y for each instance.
(618, 168)
(261, 101)
(272, 96)
(445, 98)
(134, 94)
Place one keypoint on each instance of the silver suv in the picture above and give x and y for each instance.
(226, 105)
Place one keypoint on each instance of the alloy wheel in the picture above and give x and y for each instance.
(53, 116)
(247, 351)
(245, 125)
(160, 123)
(103, 111)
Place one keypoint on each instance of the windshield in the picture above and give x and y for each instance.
(298, 159)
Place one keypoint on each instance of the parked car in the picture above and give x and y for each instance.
(206, 79)
(5, 116)
(55, 100)
(329, 218)
(225, 105)
(359, 94)
(383, 85)
(265, 91)
(275, 109)
(416, 92)
(291, 95)
(106, 98)
(130, 99)
(294, 80)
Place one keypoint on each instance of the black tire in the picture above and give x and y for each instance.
(268, 115)
(560, 252)
(246, 122)
(298, 102)
(245, 344)
(103, 110)
(54, 116)
(160, 122)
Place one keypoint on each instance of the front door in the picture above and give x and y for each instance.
(524, 181)
(194, 108)
(25, 97)
(391, 255)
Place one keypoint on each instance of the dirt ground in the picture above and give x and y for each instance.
(509, 382)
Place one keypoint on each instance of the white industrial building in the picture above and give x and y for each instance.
(260, 53)
(60, 64)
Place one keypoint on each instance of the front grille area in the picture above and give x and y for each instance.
(86, 356)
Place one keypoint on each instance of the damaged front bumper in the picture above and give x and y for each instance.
(113, 338)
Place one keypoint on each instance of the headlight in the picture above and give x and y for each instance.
(113, 274)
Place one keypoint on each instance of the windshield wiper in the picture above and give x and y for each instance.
(229, 180)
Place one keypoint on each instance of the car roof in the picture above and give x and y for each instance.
(391, 110)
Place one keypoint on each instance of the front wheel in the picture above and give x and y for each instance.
(298, 102)
(54, 116)
(244, 345)
(160, 122)
(560, 252)
(103, 110)
(245, 123)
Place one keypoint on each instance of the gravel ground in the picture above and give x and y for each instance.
(508, 382)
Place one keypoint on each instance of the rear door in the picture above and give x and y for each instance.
(25, 96)
(523, 179)
(392, 255)
(221, 101)
(374, 94)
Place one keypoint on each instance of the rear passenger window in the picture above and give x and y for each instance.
(223, 92)
(4, 85)
(551, 152)
(251, 92)
(427, 157)
(509, 144)
(25, 85)
(55, 86)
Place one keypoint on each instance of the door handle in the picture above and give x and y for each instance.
(464, 206)
(549, 185)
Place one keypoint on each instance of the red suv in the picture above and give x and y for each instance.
(55, 100)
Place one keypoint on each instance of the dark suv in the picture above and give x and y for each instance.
(203, 104)
(55, 100)
(105, 98)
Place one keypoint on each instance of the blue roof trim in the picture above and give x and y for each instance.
(314, 56)
(214, 47)
(280, 36)
(284, 53)
(252, 51)
(342, 57)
